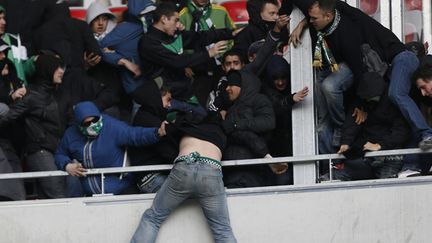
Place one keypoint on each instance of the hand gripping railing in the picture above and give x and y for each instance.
(290, 159)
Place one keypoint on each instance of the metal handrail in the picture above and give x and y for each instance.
(290, 159)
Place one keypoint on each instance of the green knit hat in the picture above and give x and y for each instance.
(2, 9)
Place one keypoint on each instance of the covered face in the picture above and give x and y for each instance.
(88, 118)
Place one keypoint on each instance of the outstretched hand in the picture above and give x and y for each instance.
(301, 94)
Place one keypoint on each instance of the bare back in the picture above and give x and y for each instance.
(190, 144)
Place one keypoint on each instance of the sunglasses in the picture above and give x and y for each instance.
(88, 123)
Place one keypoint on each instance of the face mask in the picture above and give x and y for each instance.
(270, 24)
(93, 129)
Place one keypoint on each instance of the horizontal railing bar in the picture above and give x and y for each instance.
(290, 159)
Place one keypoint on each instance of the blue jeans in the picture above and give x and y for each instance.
(189, 180)
(403, 66)
(330, 103)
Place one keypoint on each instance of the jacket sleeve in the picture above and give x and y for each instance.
(252, 141)
(61, 155)
(263, 55)
(193, 39)
(263, 120)
(134, 136)
(281, 103)
(111, 57)
(120, 34)
(156, 53)
(16, 110)
(399, 135)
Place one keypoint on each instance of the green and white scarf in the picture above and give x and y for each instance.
(322, 49)
(200, 16)
(176, 46)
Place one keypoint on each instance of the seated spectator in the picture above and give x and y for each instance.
(98, 141)
(154, 104)
(246, 121)
(419, 164)
(43, 124)
(384, 128)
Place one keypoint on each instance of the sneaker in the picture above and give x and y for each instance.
(408, 173)
(426, 143)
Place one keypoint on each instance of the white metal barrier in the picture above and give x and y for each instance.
(292, 159)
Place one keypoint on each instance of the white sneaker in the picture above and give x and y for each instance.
(408, 173)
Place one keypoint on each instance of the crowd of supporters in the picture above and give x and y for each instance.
(77, 95)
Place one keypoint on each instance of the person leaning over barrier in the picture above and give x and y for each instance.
(197, 173)
(418, 164)
(98, 141)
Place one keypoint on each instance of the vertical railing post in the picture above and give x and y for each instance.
(303, 126)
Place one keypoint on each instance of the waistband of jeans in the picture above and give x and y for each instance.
(196, 157)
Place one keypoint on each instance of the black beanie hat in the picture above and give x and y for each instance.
(234, 78)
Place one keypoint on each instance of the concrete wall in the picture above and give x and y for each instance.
(393, 211)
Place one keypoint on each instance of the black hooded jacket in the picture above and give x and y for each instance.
(39, 109)
(249, 117)
(384, 125)
(151, 114)
(256, 30)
